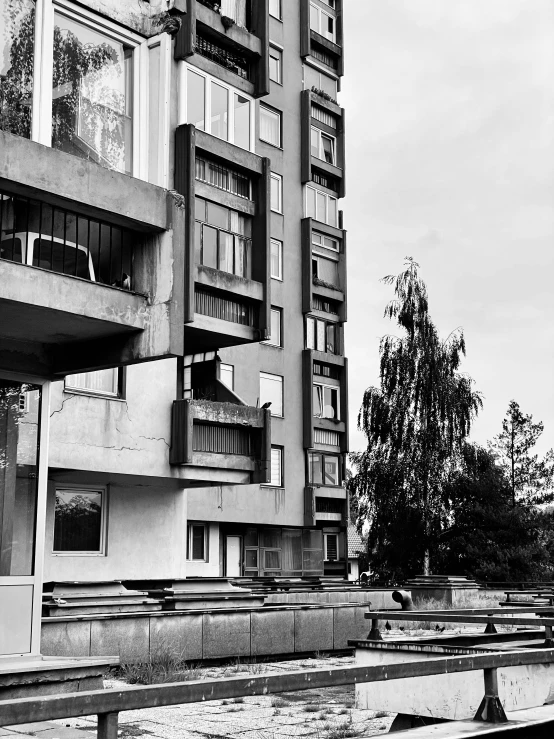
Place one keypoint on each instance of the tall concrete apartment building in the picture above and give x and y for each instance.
(173, 386)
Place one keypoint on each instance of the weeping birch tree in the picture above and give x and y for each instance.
(415, 424)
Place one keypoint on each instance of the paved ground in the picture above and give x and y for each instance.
(322, 714)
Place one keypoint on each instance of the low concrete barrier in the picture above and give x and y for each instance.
(377, 599)
(199, 635)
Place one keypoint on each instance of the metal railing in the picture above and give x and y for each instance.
(233, 62)
(215, 306)
(107, 704)
(38, 234)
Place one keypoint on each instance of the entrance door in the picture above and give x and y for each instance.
(234, 555)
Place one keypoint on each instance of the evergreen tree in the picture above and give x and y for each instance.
(531, 478)
(415, 424)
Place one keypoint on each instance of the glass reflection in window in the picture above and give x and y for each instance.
(17, 39)
(92, 99)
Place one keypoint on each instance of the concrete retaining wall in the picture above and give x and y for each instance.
(207, 634)
(379, 599)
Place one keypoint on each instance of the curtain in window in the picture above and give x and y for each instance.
(100, 381)
(269, 127)
(292, 550)
(235, 9)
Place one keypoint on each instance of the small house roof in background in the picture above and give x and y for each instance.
(355, 542)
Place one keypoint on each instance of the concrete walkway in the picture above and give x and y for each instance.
(328, 713)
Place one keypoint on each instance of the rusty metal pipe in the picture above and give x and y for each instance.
(404, 598)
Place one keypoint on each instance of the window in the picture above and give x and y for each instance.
(275, 65)
(275, 331)
(227, 375)
(275, 9)
(331, 547)
(276, 193)
(271, 391)
(324, 469)
(323, 146)
(313, 78)
(79, 521)
(270, 126)
(326, 401)
(86, 103)
(321, 207)
(224, 178)
(218, 109)
(197, 542)
(323, 23)
(101, 382)
(325, 271)
(276, 479)
(223, 238)
(92, 100)
(320, 241)
(321, 335)
(276, 259)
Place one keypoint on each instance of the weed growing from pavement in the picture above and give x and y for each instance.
(166, 665)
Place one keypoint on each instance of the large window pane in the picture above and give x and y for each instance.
(154, 114)
(103, 382)
(78, 521)
(219, 117)
(275, 8)
(310, 203)
(92, 100)
(276, 259)
(17, 38)
(196, 99)
(271, 391)
(276, 466)
(270, 126)
(242, 121)
(209, 247)
(19, 438)
(226, 252)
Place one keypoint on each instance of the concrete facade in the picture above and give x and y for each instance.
(183, 317)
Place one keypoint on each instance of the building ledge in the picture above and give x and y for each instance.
(228, 283)
(238, 36)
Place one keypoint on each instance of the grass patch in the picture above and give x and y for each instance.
(279, 703)
(312, 708)
(342, 731)
(166, 665)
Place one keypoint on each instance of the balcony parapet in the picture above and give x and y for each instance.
(218, 435)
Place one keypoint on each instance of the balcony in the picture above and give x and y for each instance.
(231, 43)
(221, 442)
(333, 423)
(227, 264)
(323, 279)
(325, 504)
(322, 143)
(89, 273)
(321, 35)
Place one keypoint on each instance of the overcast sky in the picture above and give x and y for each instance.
(450, 159)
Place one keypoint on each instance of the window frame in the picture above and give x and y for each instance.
(326, 325)
(227, 367)
(327, 386)
(281, 450)
(321, 152)
(199, 230)
(231, 91)
(280, 4)
(190, 525)
(272, 377)
(328, 198)
(279, 58)
(321, 12)
(104, 512)
(279, 179)
(325, 535)
(118, 395)
(280, 259)
(275, 310)
(279, 115)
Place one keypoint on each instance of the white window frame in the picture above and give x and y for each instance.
(78, 390)
(279, 245)
(226, 368)
(325, 558)
(279, 115)
(320, 151)
(205, 526)
(336, 388)
(41, 120)
(279, 483)
(103, 490)
(271, 377)
(279, 179)
(280, 4)
(231, 91)
(328, 198)
(321, 12)
(313, 321)
(160, 176)
(318, 241)
(276, 51)
(271, 341)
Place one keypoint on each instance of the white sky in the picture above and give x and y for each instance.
(450, 159)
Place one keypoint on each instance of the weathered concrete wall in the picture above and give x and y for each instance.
(376, 599)
(207, 634)
(146, 538)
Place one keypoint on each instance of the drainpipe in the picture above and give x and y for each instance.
(404, 598)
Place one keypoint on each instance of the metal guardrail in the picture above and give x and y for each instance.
(107, 704)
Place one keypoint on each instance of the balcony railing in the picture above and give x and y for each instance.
(222, 56)
(37, 234)
(235, 311)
